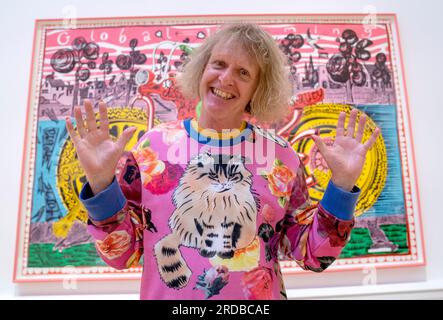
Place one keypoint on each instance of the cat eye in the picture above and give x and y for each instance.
(212, 175)
(237, 177)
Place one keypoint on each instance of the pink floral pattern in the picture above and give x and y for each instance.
(300, 193)
(289, 227)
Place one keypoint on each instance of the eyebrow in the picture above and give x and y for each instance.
(221, 57)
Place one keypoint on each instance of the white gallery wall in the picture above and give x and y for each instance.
(420, 33)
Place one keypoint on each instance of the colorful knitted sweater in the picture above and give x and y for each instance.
(211, 214)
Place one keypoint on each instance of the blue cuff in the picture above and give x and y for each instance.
(339, 202)
(104, 204)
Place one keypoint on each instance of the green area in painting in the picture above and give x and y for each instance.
(85, 255)
(361, 241)
(397, 234)
(42, 255)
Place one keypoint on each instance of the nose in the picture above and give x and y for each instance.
(226, 77)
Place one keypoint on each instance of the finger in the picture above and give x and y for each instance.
(79, 121)
(341, 124)
(124, 138)
(74, 136)
(90, 116)
(351, 123)
(368, 144)
(320, 144)
(361, 128)
(104, 121)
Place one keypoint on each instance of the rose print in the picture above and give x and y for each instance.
(171, 132)
(280, 182)
(268, 213)
(148, 163)
(257, 284)
(114, 245)
(167, 180)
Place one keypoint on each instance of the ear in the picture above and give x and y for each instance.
(248, 108)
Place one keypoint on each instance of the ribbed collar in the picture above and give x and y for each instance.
(214, 138)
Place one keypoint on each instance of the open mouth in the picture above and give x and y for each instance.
(221, 94)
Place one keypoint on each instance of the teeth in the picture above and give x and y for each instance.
(222, 94)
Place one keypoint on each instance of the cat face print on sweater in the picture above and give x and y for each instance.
(215, 213)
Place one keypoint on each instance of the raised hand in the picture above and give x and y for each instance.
(347, 155)
(97, 153)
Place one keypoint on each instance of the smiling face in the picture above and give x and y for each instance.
(228, 83)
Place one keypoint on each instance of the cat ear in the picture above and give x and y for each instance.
(204, 158)
(237, 158)
(198, 160)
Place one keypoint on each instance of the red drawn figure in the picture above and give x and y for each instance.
(166, 90)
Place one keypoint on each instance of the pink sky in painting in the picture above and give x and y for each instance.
(154, 39)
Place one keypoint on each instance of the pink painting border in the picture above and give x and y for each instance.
(127, 276)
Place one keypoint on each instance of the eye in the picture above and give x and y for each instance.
(244, 73)
(218, 63)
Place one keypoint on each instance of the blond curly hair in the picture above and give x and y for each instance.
(270, 101)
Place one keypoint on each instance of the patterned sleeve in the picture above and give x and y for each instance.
(314, 235)
(116, 217)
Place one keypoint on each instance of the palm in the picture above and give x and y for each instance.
(347, 155)
(97, 152)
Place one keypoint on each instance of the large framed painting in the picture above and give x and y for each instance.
(336, 63)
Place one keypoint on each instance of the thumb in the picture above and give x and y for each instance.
(124, 138)
(320, 144)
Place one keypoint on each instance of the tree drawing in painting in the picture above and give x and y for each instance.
(380, 76)
(81, 58)
(106, 65)
(128, 62)
(345, 67)
(290, 45)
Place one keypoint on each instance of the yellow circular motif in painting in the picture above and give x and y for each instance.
(324, 117)
(70, 175)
